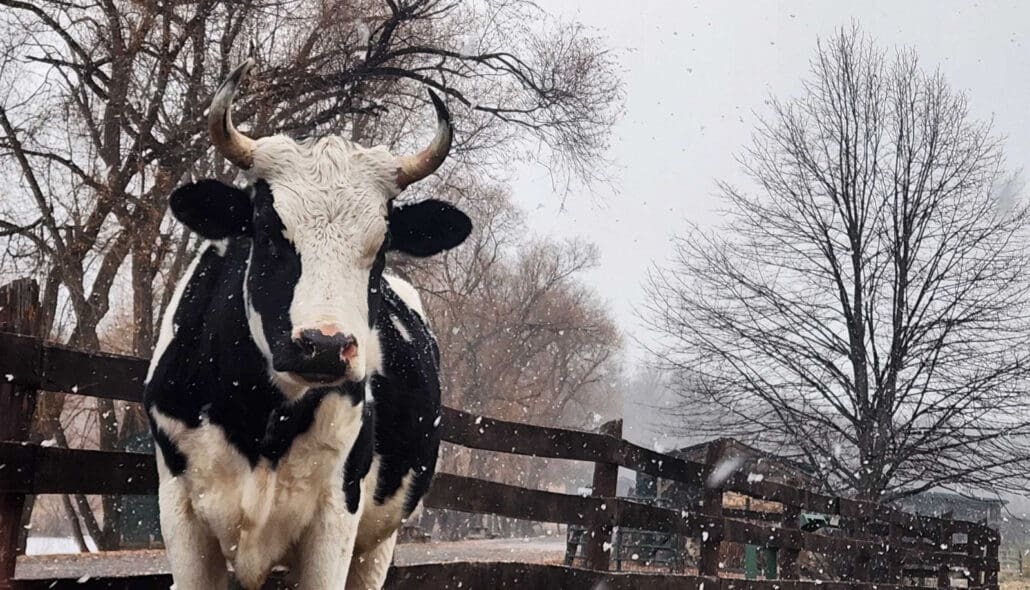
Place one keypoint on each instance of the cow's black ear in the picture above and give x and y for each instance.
(427, 228)
(213, 209)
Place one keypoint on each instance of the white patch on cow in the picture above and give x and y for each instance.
(374, 355)
(194, 553)
(257, 328)
(400, 328)
(259, 514)
(407, 292)
(368, 570)
(168, 327)
(331, 195)
(369, 397)
(291, 388)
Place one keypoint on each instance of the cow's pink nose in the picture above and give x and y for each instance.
(349, 352)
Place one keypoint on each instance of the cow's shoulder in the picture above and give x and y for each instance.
(407, 399)
(206, 367)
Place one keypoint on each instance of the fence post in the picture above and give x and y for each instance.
(599, 533)
(788, 556)
(944, 539)
(893, 555)
(711, 506)
(991, 571)
(975, 550)
(862, 570)
(19, 312)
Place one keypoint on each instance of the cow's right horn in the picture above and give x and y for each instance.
(235, 146)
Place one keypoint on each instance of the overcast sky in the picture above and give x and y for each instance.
(696, 76)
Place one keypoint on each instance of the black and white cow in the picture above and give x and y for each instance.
(294, 393)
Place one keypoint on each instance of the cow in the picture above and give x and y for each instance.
(294, 392)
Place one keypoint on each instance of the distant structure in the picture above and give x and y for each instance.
(952, 505)
(677, 553)
(754, 462)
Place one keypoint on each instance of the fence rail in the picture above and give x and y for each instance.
(883, 540)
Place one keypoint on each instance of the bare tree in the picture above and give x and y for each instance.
(865, 305)
(103, 114)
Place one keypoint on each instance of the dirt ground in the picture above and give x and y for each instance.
(124, 563)
(1015, 583)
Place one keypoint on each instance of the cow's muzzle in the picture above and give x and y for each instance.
(318, 356)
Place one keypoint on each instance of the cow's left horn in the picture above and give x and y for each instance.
(415, 167)
(235, 146)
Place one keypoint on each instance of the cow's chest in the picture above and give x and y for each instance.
(259, 511)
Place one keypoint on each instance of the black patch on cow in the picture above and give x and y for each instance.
(212, 209)
(275, 268)
(359, 461)
(173, 457)
(212, 370)
(427, 227)
(407, 402)
(375, 280)
(290, 420)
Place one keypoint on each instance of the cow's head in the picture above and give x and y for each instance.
(320, 216)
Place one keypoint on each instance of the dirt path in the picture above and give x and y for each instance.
(131, 563)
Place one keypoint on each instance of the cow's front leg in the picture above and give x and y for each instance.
(326, 546)
(194, 554)
(368, 570)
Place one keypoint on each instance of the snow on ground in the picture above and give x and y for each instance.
(528, 550)
(55, 545)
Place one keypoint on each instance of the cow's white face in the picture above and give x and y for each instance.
(320, 218)
(320, 229)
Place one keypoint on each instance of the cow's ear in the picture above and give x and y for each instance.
(427, 228)
(213, 209)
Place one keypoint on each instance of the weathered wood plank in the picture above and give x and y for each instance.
(466, 494)
(489, 434)
(522, 575)
(44, 365)
(49, 470)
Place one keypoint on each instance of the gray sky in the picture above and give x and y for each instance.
(698, 73)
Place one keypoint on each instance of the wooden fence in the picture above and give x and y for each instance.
(884, 544)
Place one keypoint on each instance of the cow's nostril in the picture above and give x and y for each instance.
(348, 352)
(306, 346)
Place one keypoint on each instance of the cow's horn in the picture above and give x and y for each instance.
(415, 167)
(235, 146)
